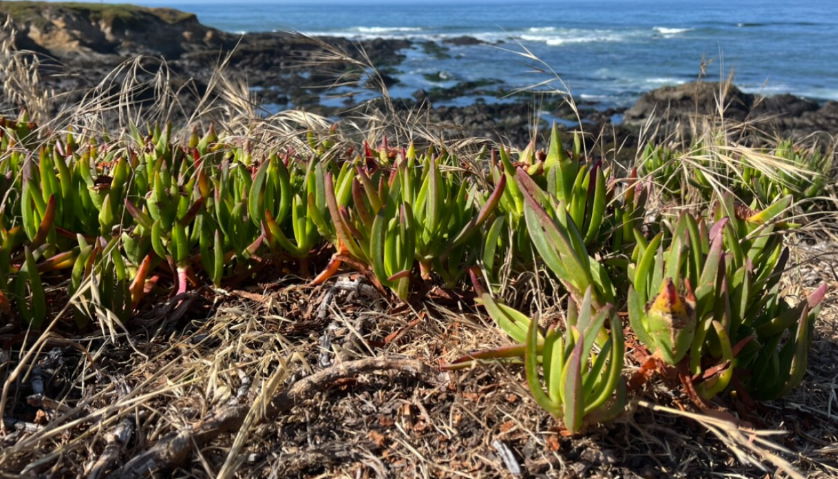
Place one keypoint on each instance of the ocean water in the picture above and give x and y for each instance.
(606, 51)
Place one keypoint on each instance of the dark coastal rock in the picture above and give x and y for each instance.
(512, 122)
(672, 108)
(690, 99)
(382, 78)
(464, 40)
(435, 49)
(68, 30)
(463, 88)
(438, 76)
(420, 95)
(784, 105)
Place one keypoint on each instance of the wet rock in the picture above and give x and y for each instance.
(463, 41)
(435, 50)
(463, 88)
(420, 95)
(386, 79)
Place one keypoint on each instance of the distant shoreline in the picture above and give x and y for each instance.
(286, 70)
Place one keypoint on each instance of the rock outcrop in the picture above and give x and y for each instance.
(676, 106)
(100, 31)
(81, 43)
(89, 29)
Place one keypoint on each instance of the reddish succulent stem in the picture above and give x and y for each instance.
(331, 269)
(182, 279)
(137, 287)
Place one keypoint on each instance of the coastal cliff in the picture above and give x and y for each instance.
(68, 29)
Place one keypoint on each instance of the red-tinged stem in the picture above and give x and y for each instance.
(399, 275)
(331, 269)
(137, 287)
(474, 274)
(644, 374)
(149, 285)
(738, 347)
(182, 280)
(692, 393)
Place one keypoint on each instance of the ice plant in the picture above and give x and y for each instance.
(298, 192)
(662, 305)
(30, 299)
(710, 300)
(405, 213)
(703, 294)
(802, 173)
(777, 356)
(574, 373)
(108, 291)
(561, 245)
(448, 211)
(569, 188)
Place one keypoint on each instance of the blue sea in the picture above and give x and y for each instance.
(605, 51)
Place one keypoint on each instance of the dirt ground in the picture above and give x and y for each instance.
(111, 396)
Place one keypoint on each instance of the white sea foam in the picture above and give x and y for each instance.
(573, 35)
(655, 82)
(590, 96)
(667, 32)
(417, 34)
(551, 36)
(386, 29)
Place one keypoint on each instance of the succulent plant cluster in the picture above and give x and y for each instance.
(701, 291)
(702, 294)
(204, 210)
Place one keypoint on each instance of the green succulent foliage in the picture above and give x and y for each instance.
(561, 245)
(449, 211)
(420, 211)
(101, 278)
(660, 162)
(778, 352)
(292, 188)
(709, 297)
(703, 291)
(660, 314)
(570, 189)
(568, 179)
(30, 299)
(575, 373)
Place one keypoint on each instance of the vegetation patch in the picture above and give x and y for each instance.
(291, 296)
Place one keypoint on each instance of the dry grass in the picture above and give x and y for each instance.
(251, 343)
(112, 396)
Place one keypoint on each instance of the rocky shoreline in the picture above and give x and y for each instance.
(81, 43)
